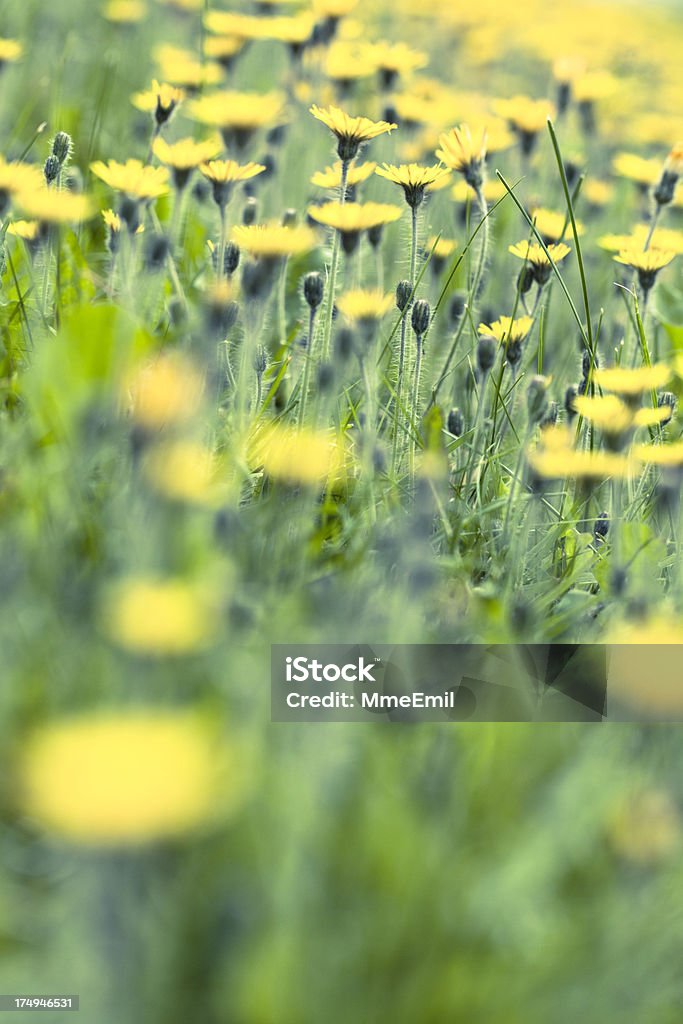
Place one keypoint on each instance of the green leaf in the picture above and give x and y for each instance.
(668, 309)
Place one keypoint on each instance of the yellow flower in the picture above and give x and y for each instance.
(28, 230)
(465, 152)
(643, 171)
(52, 207)
(646, 828)
(393, 59)
(555, 464)
(185, 154)
(663, 238)
(333, 9)
(159, 618)
(183, 69)
(647, 264)
(629, 382)
(17, 177)
(553, 225)
(125, 12)
(225, 174)
(183, 471)
(167, 391)
(614, 417)
(596, 192)
(238, 114)
(350, 132)
(491, 190)
(331, 177)
(365, 305)
(112, 778)
(665, 455)
(10, 50)
(674, 161)
(527, 116)
(222, 48)
(594, 85)
(535, 255)
(161, 101)
(135, 179)
(351, 218)
(508, 330)
(273, 240)
(413, 179)
(307, 457)
(440, 248)
(294, 30)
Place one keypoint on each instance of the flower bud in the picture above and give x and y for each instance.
(486, 352)
(313, 289)
(375, 235)
(456, 423)
(289, 217)
(456, 308)
(601, 526)
(569, 396)
(156, 250)
(420, 317)
(537, 398)
(403, 293)
(250, 211)
(51, 169)
(61, 147)
(346, 343)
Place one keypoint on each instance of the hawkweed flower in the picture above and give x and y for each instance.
(351, 219)
(273, 240)
(413, 179)
(511, 334)
(136, 180)
(50, 207)
(440, 249)
(554, 462)
(527, 117)
(673, 169)
(351, 132)
(223, 49)
(565, 72)
(115, 224)
(184, 472)
(128, 778)
(161, 101)
(464, 151)
(223, 175)
(631, 383)
(364, 307)
(10, 51)
(125, 12)
(645, 172)
(181, 67)
(237, 115)
(647, 264)
(589, 88)
(331, 177)
(183, 156)
(165, 393)
(552, 225)
(617, 419)
(303, 457)
(14, 178)
(160, 617)
(535, 256)
(392, 60)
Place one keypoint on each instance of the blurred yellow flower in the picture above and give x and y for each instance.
(183, 69)
(526, 115)
(665, 455)
(10, 51)
(161, 100)
(625, 381)
(127, 777)
(28, 230)
(185, 154)
(237, 110)
(354, 217)
(464, 151)
(50, 206)
(613, 416)
(157, 617)
(365, 304)
(135, 179)
(167, 391)
(553, 225)
(184, 471)
(637, 168)
(306, 456)
(646, 828)
(507, 329)
(274, 239)
(125, 12)
(555, 464)
(331, 177)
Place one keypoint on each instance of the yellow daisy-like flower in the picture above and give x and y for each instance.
(346, 62)
(394, 59)
(183, 69)
(647, 264)
(413, 179)
(644, 171)
(596, 192)
(668, 456)
(508, 330)
(160, 617)
(10, 50)
(630, 382)
(440, 248)
(674, 161)
(306, 457)
(294, 30)
(557, 463)
(125, 12)
(351, 218)
(527, 116)
(613, 416)
(135, 179)
(225, 174)
(238, 115)
(27, 230)
(365, 305)
(465, 151)
(350, 132)
(273, 240)
(18, 177)
(537, 258)
(553, 225)
(49, 206)
(663, 238)
(166, 392)
(185, 155)
(223, 48)
(492, 191)
(123, 778)
(161, 101)
(331, 177)
(183, 471)
(116, 224)
(333, 9)
(594, 85)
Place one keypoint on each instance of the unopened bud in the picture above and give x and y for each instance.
(537, 398)
(420, 317)
(250, 211)
(456, 423)
(313, 289)
(61, 147)
(51, 169)
(486, 352)
(403, 292)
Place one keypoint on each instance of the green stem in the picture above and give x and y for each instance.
(402, 349)
(306, 376)
(332, 284)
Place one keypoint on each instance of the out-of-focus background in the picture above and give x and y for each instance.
(166, 851)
